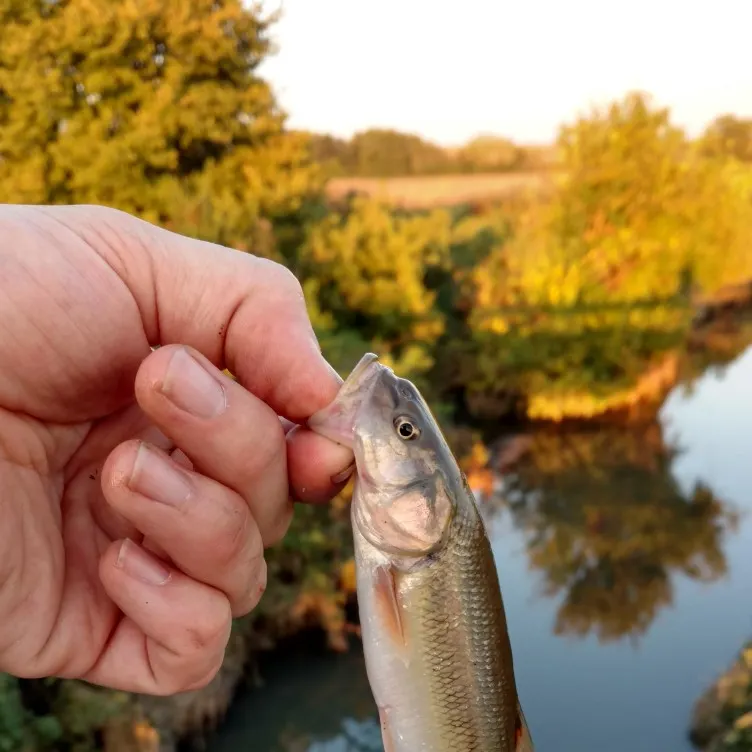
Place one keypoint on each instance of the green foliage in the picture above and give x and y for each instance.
(639, 216)
(152, 107)
(20, 729)
(50, 714)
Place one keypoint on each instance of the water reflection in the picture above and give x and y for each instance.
(608, 526)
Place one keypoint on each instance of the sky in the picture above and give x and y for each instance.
(449, 71)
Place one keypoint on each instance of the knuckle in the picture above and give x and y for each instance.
(251, 594)
(231, 530)
(284, 280)
(265, 454)
(282, 286)
(210, 630)
(277, 527)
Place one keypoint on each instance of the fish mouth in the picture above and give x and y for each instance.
(337, 420)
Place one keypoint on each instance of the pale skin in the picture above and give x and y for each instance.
(139, 489)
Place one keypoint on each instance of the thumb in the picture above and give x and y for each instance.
(242, 312)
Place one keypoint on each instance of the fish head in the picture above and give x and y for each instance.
(404, 468)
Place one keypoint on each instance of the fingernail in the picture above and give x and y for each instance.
(158, 478)
(140, 565)
(344, 475)
(192, 388)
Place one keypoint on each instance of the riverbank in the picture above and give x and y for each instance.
(722, 718)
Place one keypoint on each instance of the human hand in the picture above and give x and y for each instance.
(122, 562)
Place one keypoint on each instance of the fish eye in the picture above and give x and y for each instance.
(406, 429)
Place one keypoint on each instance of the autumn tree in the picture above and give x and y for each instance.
(596, 284)
(638, 211)
(364, 271)
(385, 153)
(331, 152)
(155, 107)
(729, 135)
(487, 153)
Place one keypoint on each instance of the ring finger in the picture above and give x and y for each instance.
(205, 528)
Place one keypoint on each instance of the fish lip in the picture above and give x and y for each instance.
(361, 368)
(337, 420)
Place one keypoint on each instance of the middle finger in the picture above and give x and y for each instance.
(228, 433)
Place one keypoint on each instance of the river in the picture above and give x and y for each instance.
(626, 589)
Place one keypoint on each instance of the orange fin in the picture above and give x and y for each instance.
(388, 605)
(386, 735)
(523, 739)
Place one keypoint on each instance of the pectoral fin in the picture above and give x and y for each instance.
(387, 603)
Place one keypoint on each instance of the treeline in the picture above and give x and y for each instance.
(390, 153)
(729, 135)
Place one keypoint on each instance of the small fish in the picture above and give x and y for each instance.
(435, 638)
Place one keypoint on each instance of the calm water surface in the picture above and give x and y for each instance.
(626, 584)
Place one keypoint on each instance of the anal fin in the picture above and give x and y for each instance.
(523, 739)
(386, 734)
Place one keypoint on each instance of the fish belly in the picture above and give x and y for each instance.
(395, 672)
(440, 670)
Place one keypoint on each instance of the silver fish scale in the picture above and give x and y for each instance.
(460, 624)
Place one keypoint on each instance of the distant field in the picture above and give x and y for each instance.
(440, 190)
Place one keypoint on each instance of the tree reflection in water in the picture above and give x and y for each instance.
(609, 527)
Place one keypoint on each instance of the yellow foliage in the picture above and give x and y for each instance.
(375, 261)
(744, 721)
(413, 360)
(651, 387)
(640, 215)
(348, 576)
(151, 106)
(324, 609)
(320, 320)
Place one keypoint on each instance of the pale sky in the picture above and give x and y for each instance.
(450, 70)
